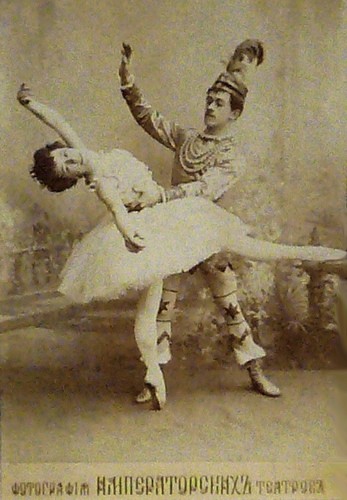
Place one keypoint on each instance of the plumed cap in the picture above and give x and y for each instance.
(240, 68)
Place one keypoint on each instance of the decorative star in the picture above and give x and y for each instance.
(163, 336)
(223, 267)
(163, 306)
(231, 311)
(235, 341)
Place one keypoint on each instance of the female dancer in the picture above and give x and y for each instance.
(165, 239)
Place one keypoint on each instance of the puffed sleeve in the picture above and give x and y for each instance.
(164, 131)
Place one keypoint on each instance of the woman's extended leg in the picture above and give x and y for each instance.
(257, 249)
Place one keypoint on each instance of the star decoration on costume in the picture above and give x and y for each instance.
(163, 336)
(231, 311)
(164, 306)
(223, 267)
(235, 341)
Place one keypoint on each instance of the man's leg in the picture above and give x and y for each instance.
(165, 317)
(223, 284)
(164, 321)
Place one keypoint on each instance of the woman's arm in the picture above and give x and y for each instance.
(50, 117)
(107, 193)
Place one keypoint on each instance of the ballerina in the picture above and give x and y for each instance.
(137, 250)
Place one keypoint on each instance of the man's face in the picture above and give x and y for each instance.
(217, 110)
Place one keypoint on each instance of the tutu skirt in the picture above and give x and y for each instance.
(178, 236)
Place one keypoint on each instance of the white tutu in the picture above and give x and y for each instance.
(178, 235)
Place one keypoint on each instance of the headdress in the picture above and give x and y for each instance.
(235, 80)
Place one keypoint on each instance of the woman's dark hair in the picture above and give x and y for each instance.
(44, 170)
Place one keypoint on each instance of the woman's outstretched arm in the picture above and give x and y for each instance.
(107, 189)
(110, 197)
(50, 117)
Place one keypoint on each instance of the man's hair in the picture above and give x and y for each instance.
(236, 102)
(44, 169)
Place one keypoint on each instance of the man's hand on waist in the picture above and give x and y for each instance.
(146, 199)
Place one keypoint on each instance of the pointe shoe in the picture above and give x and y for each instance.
(144, 396)
(259, 382)
(158, 396)
(150, 393)
(155, 384)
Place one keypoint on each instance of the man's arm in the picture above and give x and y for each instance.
(212, 184)
(50, 117)
(164, 131)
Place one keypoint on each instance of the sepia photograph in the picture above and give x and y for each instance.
(173, 232)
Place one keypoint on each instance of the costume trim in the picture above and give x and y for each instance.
(199, 150)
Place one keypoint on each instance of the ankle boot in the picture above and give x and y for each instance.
(260, 382)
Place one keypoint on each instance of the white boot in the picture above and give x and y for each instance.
(260, 382)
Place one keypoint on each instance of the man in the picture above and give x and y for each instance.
(206, 164)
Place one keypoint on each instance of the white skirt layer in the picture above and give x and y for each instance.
(178, 236)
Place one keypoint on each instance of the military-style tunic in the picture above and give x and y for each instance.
(204, 165)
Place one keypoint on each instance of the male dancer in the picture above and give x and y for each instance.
(206, 164)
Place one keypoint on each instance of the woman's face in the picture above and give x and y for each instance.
(68, 162)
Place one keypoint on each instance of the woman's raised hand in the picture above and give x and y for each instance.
(124, 73)
(24, 94)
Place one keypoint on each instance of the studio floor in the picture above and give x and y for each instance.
(67, 396)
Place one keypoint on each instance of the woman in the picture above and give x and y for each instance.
(162, 239)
